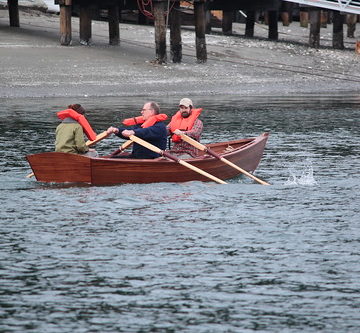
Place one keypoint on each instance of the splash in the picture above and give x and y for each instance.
(306, 176)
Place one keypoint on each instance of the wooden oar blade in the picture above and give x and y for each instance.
(243, 171)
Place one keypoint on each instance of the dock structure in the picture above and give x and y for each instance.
(167, 14)
(347, 6)
(339, 7)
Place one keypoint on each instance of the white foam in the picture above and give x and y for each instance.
(303, 176)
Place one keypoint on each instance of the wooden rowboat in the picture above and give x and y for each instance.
(65, 167)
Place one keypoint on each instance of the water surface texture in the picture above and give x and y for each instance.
(189, 257)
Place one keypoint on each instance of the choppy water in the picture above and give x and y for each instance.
(192, 257)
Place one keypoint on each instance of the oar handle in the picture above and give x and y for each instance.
(99, 137)
(174, 158)
(122, 147)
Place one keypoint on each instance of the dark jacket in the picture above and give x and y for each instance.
(156, 135)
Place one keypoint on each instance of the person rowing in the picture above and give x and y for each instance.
(149, 126)
(186, 120)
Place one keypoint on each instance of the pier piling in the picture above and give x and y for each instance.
(315, 23)
(338, 30)
(114, 19)
(13, 6)
(65, 21)
(160, 31)
(199, 12)
(85, 24)
(175, 33)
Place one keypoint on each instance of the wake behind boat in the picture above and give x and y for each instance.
(64, 167)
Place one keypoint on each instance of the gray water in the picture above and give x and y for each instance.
(190, 257)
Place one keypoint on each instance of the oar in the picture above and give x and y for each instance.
(200, 146)
(89, 143)
(122, 147)
(174, 158)
(99, 137)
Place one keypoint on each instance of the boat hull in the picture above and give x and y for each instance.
(64, 167)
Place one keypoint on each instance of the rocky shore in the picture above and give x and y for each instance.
(34, 64)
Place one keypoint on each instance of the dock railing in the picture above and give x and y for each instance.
(346, 6)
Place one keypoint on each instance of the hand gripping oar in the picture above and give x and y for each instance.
(89, 143)
(174, 158)
(198, 145)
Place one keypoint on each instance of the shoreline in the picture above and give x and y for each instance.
(35, 65)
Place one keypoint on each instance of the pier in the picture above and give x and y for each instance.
(168, 14)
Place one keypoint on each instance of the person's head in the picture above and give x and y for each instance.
(185, 106)
(150, 109)
(77, 107)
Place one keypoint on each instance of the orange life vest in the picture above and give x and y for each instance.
(145, 123)
(183, 124)
(80, 119)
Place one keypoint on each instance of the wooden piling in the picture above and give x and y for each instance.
(208, 25)
(315, 23)
(304, 17)
(338, 30)
(160, 31)
(65, 21)
(199, 12)
(227, 21)
(250, 23)
(114, 30)
(324, 18)
(13, 6)
(85, 23)
(273, 24)
(351, 24)
(175, 33)
(286, 13)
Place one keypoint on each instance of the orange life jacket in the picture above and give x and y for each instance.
(80, 119)
(145, 123)
(183, 124)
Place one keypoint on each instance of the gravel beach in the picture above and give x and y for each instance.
(34, 64)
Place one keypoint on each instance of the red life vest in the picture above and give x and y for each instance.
(145, 123)
(183, 124)
(80, 119)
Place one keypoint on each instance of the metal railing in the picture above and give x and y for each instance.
(346, 6)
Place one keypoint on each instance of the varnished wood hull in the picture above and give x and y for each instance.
(63, 167)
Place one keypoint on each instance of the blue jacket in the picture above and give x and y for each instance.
(156, 135)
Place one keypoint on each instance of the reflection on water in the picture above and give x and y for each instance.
(192, 257)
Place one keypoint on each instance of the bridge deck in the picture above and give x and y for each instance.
(347, 6)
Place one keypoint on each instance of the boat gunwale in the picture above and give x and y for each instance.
(206, 157)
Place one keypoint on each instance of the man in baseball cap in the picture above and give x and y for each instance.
(187, 121)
